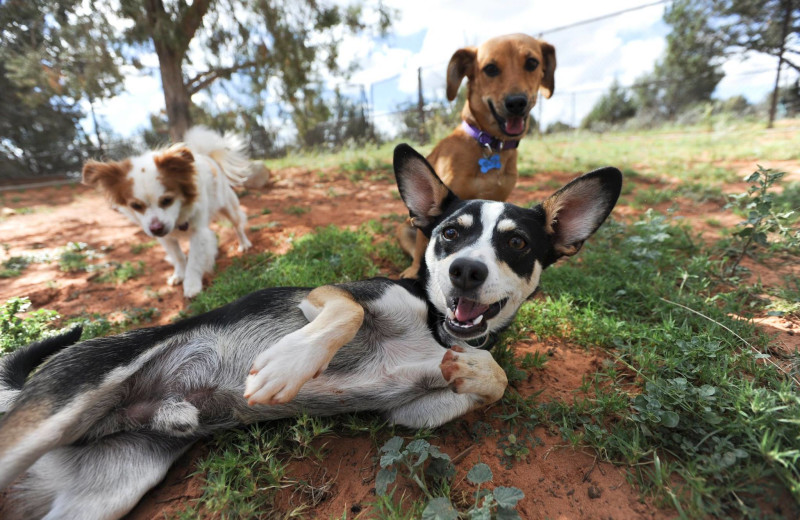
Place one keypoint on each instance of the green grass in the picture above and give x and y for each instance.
(137, 249)
(120, 273)
(13, 266)
(692, 153)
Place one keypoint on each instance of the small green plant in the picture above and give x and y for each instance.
(297, 210)
(121, 273)
(13, 266)
(143, 246)
(17, 331)
(433, 471)
(412, 459)
(758, 204)
(73, 258)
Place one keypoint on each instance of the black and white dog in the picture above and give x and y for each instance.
(101, 421)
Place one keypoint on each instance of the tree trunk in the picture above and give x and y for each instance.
(176, 97)
(774, 102)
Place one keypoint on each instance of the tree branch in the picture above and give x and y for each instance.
(208, 77)
(793, 65)
(191, 20)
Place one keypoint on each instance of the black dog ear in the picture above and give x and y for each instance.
(424, 194)
(573, 213)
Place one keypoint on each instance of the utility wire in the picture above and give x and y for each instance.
(603, 17)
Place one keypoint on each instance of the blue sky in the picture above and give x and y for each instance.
(590, 57)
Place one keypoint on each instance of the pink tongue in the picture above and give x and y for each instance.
(467, 310)
(515, 125)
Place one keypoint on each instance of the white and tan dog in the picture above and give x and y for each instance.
(177, 191)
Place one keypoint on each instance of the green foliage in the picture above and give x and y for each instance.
(691, 67)
(763, 218)
(16, 331)
(757, 25)
(245, 469)
(432, 471)
(142, 246)
(121, 273)
(615, 106)
(53, 56)
(13, 266)
(73, 259)
(695, 393)
(330, 255)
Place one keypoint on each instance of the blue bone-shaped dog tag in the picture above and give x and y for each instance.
(491, 163)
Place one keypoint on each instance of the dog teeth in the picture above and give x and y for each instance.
(477, 320)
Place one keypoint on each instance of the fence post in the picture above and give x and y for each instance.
(423, 137)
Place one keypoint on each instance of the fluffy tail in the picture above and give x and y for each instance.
(230, 151)
(15, 367)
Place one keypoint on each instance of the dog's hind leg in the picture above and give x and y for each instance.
(103, 479)
(232, 212)
(474, 379)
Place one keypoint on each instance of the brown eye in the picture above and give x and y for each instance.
(450, 233)
(531, 64)
(517, 243)
(491, 70)
(166, 201)
(137, 206)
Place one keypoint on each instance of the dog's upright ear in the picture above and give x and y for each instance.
(573, 213)
(462, 63)
(548, 85)
(111, 177)
(424, 194)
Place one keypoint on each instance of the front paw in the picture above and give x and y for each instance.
(192, 287)
(474, 371)
(411, 273)
(278, 373)
(244, 245)
(174, 279)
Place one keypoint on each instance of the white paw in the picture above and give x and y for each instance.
(174, 279)
(474, 371)
(278, 373)
(192, 287)
(245, 245)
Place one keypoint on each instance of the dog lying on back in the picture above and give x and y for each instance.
(176, 192)
(101, 422)
(479, 159)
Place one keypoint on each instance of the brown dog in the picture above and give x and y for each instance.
(479, 159)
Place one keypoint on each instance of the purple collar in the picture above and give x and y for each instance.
(487, 140)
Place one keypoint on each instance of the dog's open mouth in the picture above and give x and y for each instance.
(512, 126)
(467, 318)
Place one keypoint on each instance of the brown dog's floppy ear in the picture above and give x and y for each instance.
(574, 212)
(548, 85)
(424, 194)
(111, 176)
(461, 64)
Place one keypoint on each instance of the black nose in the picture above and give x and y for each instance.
(468, 274)
(516, 104)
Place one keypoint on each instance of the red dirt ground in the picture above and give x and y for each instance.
(558, 481)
